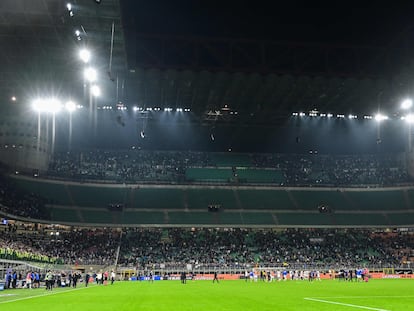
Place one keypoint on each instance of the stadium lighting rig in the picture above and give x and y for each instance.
(53, 105)
(380, 117)
(409, 118)
(314, 114)
(69, 7)
(70, 106)
(85, 55)
(407, 104)
(90, 74)
(95, 91)
(48, 105)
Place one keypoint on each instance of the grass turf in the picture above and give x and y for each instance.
(227, 295)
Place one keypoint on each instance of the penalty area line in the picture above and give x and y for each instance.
(344, 304)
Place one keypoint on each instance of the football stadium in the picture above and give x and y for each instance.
(191, 155)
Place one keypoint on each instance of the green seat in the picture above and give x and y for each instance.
(208, 174)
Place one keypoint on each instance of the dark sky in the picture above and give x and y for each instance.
(332, 22)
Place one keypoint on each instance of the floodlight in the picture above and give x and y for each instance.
(13, 98)
(329, 115)
(69, 6)
(70, 106)
(53, 105)
(407, 103)
(85, 55)
(38, 105)
(90, 74)
(409, 118)
(95, 90)
(380, 117)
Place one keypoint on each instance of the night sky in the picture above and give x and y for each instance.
(376, 23)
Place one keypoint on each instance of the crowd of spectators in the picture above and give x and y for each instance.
(19, 202)
(337, 170)
(225, 248)
(233, 247)
(170, 167)
(131, 165)
(83, 246)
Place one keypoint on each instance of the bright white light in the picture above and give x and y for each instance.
(341, 116)
(352, 116)
(179, 109)
(38, 105)
(322, 115)
(13, 98)
(70, 106)
(77, 33)
(407, 103)
(51, 105)
(54, 105)
(95, 91)
(90, 74)
(380, 117)
(301, 114)
(85, 55)
(329, 115)
(368, 117)
(187, 109)
(168, 109)
(69, 6)
(409, 118)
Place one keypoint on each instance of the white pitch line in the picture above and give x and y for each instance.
(362, 297)
(48, 294)
(345, 304)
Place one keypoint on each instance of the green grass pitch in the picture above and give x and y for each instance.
(392, 295)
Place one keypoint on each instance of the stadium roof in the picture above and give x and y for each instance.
(41, 39)
(262, 78)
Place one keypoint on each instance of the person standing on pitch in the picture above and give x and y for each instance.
(49, 280)
(87, 277)
(112, 277)
(215, 277)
